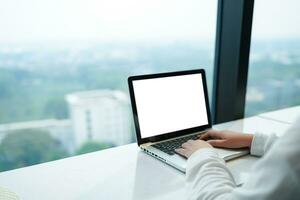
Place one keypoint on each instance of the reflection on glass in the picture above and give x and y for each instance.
(64, 68)
(274, 71)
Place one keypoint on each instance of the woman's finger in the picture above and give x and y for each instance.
(204, 136)
(190, 141)
(186, 145)
(181, 151)
(210, 134)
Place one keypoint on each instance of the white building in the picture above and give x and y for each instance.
(58, 129)
(100, 115)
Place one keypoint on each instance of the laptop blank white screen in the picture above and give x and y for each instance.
(170, 104)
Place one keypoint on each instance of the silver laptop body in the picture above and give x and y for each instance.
(168, 108)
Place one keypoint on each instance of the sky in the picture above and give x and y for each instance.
(276, 19)
(126, 20)
(107, 19)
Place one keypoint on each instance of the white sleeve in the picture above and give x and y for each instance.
(207, 176)
(262, 143)
(276, 176)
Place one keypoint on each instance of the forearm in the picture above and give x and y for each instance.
(208, 177)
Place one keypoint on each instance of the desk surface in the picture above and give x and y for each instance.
(288, 115)
(120, 173)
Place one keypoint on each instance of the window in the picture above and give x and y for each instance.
(274, 70)
(64, 66)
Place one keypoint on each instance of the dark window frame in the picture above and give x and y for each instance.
(233, 38)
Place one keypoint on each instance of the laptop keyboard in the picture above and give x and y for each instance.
(170, 145)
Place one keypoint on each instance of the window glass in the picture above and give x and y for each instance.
(274, 70)
(64, 66)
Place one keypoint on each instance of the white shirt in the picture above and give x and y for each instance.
(275, 176)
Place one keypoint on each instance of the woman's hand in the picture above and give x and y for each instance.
(189, 147)
(227, 139)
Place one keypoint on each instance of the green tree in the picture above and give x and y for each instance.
(28, 147)
(91, 146)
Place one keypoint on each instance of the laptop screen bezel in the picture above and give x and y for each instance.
(169, 135)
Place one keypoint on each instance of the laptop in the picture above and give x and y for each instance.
(170, 109)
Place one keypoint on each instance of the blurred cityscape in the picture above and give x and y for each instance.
(62, 100)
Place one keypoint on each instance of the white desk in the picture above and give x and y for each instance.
(119, 173)
(287, 115)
